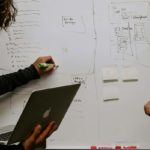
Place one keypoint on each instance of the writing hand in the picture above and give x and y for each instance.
(45, 59)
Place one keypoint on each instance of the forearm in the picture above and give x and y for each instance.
(10, 81)
(11, 147)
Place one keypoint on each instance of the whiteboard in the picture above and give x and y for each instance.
(104, 45)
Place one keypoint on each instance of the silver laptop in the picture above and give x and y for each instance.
(42, 106)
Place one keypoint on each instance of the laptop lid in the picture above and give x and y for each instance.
(43, 106)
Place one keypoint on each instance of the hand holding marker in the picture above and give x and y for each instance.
(46, 67)
(42, 69)
(43, 66)
(48, 63)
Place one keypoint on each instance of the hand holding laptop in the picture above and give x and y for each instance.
(54, 107)
(38, 136)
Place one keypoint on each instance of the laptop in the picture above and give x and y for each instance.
(42, 106)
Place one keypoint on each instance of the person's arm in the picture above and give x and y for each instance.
(39, 136)
(147, 108)
(34, 140)
(10, 81)
(12, 147)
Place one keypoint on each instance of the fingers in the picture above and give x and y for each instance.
(36, 132)
(147, 108)
(47, 132)
(37, 137)
(49, 68)
(34, 135)
(29, 143)
(49, 59)
(44, 59)
(54, 129)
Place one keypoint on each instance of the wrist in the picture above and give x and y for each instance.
(36, 71)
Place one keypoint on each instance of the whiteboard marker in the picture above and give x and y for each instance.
(45, 65)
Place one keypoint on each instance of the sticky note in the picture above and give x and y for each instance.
(110, 74)
(130, 73)
(110, 93)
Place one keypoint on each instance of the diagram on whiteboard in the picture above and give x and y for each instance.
(129, 25)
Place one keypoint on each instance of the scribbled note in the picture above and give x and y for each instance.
(22, 46)
(74, 24)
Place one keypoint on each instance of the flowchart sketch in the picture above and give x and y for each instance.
(129, 25)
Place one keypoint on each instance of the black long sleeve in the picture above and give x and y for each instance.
(10, 81)
(11, 147)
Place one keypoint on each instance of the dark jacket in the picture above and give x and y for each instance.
(9, 82)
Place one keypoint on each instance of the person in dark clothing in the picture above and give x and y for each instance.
(10, 81)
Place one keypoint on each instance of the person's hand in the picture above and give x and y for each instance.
(38, 136)
(45, 59)
(147, 108)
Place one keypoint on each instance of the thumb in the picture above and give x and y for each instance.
(50, 67)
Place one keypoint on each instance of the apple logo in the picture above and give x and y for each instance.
(46, 113)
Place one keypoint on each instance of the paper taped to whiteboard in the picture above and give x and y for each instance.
(130, 73)
(110, 74)
(110, 93)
